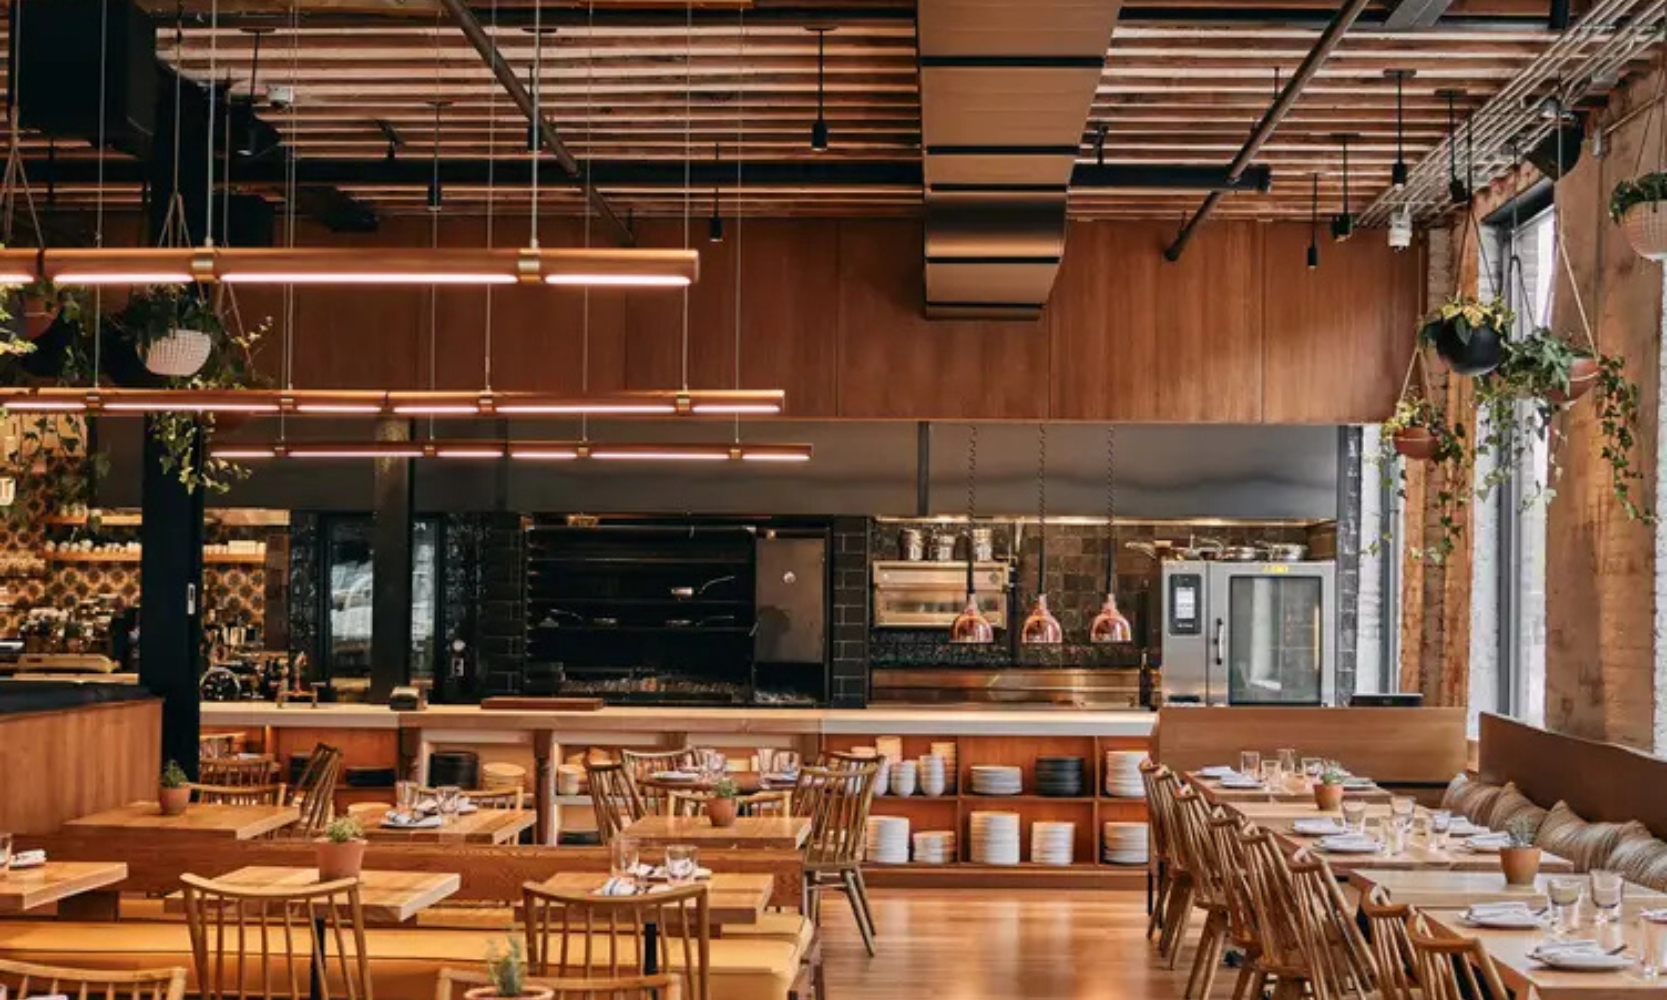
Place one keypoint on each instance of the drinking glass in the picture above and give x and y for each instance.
(786, 763)
(405, 796)
(1564, 896)
(1287, 762)
(1270, 774)
(445, 799)
(1354, 815)
(1654, 944)
(1401, 806)
(1605, 891)
(1420, 830)
(1441, 822)
(5, 851)
(622, 858)
(1313, 766)
(1250, 763)
(681, 863)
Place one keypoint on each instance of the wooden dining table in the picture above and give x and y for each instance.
(1433, 889)
(1213, 792)
(483, 826)
(28, 888)
(746, 783)
(732, 898)
(760, 832)
(1524, 976)
(384, 896)
(233, 822)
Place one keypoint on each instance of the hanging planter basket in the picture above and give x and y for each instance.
(1583, 374)
(39, 313)
(180, 354)
(1645, 226)
(1415, 443)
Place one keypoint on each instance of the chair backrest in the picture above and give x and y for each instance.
(836, 800)
(234, 771)
(642, 764)
(1161, 807)
(507, 797)
(1392, 959)
(576, 935)
(25, 979)
(239, 795)
(661, 986)
(1194, 848)
(1235, 886)
(255, 942)
(1158, 832)
(316, 791)
(1338, 958)
(1451, 967)
(1274, 899)
(614, 797)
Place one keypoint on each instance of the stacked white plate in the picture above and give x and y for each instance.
(934, 847)
(1123, 774)
(1123, 843)
(997, 779)
(995, 838)
(933, 778)
(889, 746)
(905, 777)
(947, 752)
(1051, 842)
(888, 840)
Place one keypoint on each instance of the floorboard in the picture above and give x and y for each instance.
(985, 945)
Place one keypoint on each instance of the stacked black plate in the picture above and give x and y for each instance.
(1060, 776)
(453, 767)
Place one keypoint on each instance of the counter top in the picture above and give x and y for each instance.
(947, 721)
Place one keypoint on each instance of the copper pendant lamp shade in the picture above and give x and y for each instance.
(1041, 628)
(970, 626)
(1110, 625)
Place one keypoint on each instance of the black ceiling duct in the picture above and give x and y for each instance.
(59, 58)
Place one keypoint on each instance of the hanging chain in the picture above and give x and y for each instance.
(1111, 504)
(1042, 474)
(972, 477)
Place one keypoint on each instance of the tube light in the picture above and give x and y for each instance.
(366, 266)
(334, 403)
(535, 452)
(493, 448)
(353, 449)
(620, 268)
(19, 267)
(660, 453)
(437, 404)
(187, 402)
(47, 401)
(247, 453)
(775, 453)
(600, 407)
(127, 266)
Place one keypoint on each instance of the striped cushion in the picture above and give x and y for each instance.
(1471, 798)
(1636, 852)
(1565, 834)
(1510, 805)
(1654, 874)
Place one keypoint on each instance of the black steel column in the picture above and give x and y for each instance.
(391, 543)
(170, 603)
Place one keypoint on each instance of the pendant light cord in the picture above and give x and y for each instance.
(1111, 509)
(535, 138)
(590, 160)
(491, 206)
(972, 506)
(688, 159)
(213, 71)
(1400, 152)
(1041, 508)
(1345, 175)
(1452, 139)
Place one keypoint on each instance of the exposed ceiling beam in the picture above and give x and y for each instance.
(1410, 14)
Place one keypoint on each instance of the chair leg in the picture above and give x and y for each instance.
(1218, 945)
(862, 895)
(854, 894)
(1160, 899)
(859, 901)
(1175, 925)
(1248, 979)
(1209, 950)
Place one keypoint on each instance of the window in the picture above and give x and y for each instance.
(348, 597)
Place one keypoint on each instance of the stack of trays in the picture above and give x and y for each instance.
(1051, 842)
(947, 752)
(933, 777)
(1123, 843)
(1123, 774)
(995, 838)
(934, 847)
(996, 779)
(888, 840)
(1059, 776)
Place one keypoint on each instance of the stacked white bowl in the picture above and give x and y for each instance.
(1123, 774)
(995, 838)
(1123, 843)
(946, 750)
(934, 847)
(888, 840)
(882, 777)
(997, 779)
(905, 777)
(889, 746)
(1051, 842)
(933, 780)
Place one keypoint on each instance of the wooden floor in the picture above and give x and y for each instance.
(1006, 945)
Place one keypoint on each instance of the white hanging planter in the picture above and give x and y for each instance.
(1645, 225)
(181, 354)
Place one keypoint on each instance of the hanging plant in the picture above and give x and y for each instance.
(1468, 334)
(51, 467)
(43, 303)
(1616, 398)
(185, 437)
(172, 327)
(1419, 430)
(1637, 204)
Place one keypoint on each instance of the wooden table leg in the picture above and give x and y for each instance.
(544, 785)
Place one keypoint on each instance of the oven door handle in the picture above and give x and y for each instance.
(1220, 639)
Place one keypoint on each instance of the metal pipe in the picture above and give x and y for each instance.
(547, 136)
(1276, 112)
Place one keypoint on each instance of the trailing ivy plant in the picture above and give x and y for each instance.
(154, 313)
(1451, 458)
(185, 437)
(1641, 190)
(1616, 397)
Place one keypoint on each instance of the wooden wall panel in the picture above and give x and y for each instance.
(894, 363)
(1337, 338)
(63, 764)
(1136, 337)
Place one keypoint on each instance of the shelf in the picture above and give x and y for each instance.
(961, 874)
(107, 521)
(640, 602)
(995, 799)
(643, 629)
(209, 558)
(637, 561)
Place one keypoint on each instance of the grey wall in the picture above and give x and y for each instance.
(869, 467)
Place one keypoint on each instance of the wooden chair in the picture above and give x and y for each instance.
(255, 933)
(642, 764)
(25, 979)
(1158, 851)
(663, 986)
(614, 797)
(1392, 957)
(578, 935)
(1280, 929)
(1194, 843)
(316, 791)
(239, 795)
(1225, 831)
(836, 800)
(215, 745)
(1177, 901)
(1451, 967)
(236, 771)
(1338, 958)
(486, 798)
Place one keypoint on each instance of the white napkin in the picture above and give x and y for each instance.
(1654, 916)
(1216, 771)
(28, 859)
(404, 822)
(1319, 827)
(1350, 842)
(1489, 840)
(618, 887)
(1501, 909)
(1578, 947)
(1461, 827)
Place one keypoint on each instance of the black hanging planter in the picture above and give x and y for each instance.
(1469, 350)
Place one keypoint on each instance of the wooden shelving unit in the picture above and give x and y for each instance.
(209, 558)
(953, 811)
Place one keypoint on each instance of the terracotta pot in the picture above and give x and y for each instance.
(1583, 374)
(1416, 443)
(528, 992)
(339, 860)
(38, 316)
(173, 800)
(1329, 798)
(721, 812)
(1520, 864)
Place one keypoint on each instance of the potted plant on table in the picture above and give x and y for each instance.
(720, 806)
(1519, 859)
(174, 789)
(341, 851)
(506, 972)
(1328, 791)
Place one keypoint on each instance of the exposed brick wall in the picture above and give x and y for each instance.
(848, 675)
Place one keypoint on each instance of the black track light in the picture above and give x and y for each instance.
(819, 130)
(1342, 224)
(715, 224)
(1457, 190)
(1398, 173)
(1314, 225)
(436, 195)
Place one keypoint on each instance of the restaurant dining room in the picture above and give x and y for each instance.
(833, 500)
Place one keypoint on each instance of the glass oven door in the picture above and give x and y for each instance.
(1275, 632)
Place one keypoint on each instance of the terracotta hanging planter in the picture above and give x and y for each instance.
(1416, 443)
(38, 316)
(1583, 374)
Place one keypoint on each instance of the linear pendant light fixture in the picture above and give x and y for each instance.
(333, 402)
(492, 448)
(638, 268)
